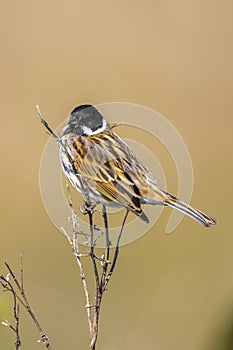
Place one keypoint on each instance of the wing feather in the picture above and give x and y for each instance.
(104, 158)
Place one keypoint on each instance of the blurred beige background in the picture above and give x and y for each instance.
(169, 292)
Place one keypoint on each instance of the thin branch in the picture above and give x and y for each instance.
(107, 249)
(13, 276)
(104, 278)
(16, 316)
(92, 245)
(9, 288)
(24, 301)
(98, 296)
(116, 250)
(75, 247)
(46, 125)
(21, 272)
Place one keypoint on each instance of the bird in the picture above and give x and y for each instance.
(105, 170)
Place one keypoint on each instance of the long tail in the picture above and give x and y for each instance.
(204, 219)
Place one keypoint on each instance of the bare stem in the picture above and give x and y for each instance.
(98, 296)
(105, 278)
(116, 251)
(75, 247)
(107, 249)
(16, 316)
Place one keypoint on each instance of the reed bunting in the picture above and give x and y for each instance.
(100, 165)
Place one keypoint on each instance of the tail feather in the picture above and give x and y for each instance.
(202, 218)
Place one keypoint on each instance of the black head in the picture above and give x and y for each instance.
(85, 120)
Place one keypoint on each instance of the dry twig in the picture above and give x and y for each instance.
(20, 297)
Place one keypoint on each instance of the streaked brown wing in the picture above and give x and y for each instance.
(104, 158)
